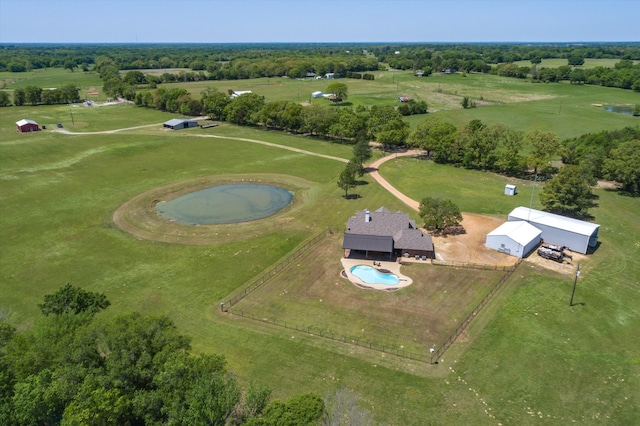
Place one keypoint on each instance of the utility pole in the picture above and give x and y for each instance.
(575, 280)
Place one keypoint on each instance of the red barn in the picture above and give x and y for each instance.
(27, 126)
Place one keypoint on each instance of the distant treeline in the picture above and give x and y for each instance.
(241, 61)
(34, 95)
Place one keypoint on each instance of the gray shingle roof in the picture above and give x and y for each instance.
(383, 223)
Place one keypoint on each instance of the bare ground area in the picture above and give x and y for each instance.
(470, 246)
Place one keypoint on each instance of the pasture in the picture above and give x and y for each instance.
(527, 358)
(566, 109)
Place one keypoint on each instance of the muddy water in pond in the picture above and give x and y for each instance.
(230, 203)
(619, 109)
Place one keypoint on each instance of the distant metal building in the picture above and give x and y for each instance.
(27, 126)
(516, 238)
(576, 235)
(180, 123)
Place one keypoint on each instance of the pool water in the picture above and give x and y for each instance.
(371, 275)
(229, 203)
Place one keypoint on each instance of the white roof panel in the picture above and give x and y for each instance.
(24, 121)
(534, 216)
(519, 231)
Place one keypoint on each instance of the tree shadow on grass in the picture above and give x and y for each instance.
(353, 196)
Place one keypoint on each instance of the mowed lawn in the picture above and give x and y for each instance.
(310, 294)
(527, 358)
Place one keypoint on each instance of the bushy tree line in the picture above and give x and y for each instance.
(34, 95)
(624, 75)
(612, 155)
(380, 123)
(479, 57)
(74, 368)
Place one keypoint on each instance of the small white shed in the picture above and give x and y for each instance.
(509, 189)
(514, 238)
(317, 94)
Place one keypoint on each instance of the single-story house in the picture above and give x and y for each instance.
(382, 233)
(517, 238)
(237, 93)
(317, 94)
(576, 235)
(329, 75)
(310, 75)
(27, 126)
(180, 123)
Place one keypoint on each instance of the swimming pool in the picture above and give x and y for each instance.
(372, 276)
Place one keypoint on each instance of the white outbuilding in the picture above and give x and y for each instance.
(515, 238)
(509, 189)
(576, 235)
(317, 94)
(179, 123)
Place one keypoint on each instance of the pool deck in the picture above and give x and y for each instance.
(393, 267)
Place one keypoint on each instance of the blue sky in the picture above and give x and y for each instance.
(216, 21)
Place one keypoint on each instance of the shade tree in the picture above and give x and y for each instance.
(439, 214)
(568, 193)
(623, 166)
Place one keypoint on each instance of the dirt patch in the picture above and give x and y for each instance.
(139, 217)
(470, 246)
(567, 267)
(605, 184)
(92, 91)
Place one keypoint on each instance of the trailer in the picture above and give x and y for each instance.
(553, 252)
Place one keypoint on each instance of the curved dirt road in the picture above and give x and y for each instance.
(468, 247)
(373, 172)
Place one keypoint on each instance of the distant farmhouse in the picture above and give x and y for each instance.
(27, 126)
(180, 123)
(383, 234)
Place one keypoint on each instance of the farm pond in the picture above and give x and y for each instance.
(228, 203)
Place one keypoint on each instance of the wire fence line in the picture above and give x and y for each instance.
(267, 275)
(482, 266)
(327, 334)
(437, 353)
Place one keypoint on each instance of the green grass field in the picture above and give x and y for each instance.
(527, 358)
(568, 110)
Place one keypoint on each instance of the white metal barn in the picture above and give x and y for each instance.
(576, 235)
(516, 238)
